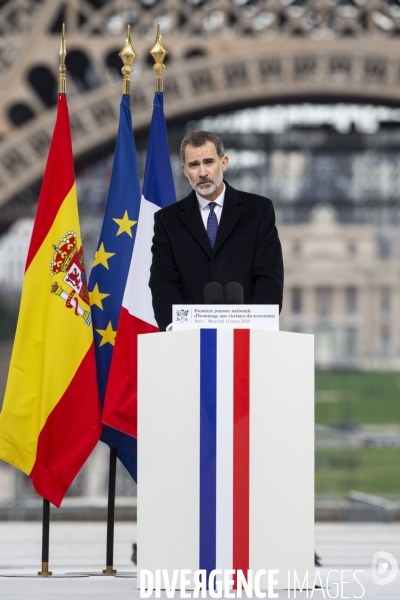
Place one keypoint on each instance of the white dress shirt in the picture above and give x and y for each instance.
(205, 208)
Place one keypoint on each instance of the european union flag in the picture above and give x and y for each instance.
(137, 315)
(111, 266)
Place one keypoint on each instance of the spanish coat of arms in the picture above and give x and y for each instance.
(68, 260)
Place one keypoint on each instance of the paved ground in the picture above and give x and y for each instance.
(344, 548)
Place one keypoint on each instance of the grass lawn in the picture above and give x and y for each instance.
(363, 397)
(370, 470)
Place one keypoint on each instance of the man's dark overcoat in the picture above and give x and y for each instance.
(247, 250)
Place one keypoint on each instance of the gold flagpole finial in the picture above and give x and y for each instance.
(62, 82)
(159, 52)
(127, 55)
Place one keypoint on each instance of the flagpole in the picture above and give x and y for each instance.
(45, 539)
(45, 474)
(127, 55)
(109, 570)
(159, 52)
(62, 81)
(62, 89)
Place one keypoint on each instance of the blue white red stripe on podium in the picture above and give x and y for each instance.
(224, 449)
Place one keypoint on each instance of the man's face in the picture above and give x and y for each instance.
(204, 169)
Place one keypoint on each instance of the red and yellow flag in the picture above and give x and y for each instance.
(50, 421)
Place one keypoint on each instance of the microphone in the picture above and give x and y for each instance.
(213, 293)
(234, 293)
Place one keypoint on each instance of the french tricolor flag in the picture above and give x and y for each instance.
(137, 316)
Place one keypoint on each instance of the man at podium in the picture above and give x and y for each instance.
(216, 233)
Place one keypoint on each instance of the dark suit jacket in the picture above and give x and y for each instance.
(247, 250)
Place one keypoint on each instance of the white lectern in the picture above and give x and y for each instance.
(226, 452)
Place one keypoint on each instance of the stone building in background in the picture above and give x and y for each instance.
(342, 284)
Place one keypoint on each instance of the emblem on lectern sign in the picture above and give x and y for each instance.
(182, 315)
(67, 260)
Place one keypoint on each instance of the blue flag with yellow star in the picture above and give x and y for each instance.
(111, 266)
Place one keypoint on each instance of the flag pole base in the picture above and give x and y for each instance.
(109, 570)
(45, 570)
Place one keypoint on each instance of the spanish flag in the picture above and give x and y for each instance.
(50, 420)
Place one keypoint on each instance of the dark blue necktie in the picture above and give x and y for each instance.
(212, 224)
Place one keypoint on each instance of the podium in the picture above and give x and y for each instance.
(226, 453)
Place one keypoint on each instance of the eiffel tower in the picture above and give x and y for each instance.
(223, 54)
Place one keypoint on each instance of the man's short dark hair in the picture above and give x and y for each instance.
(199, 138)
